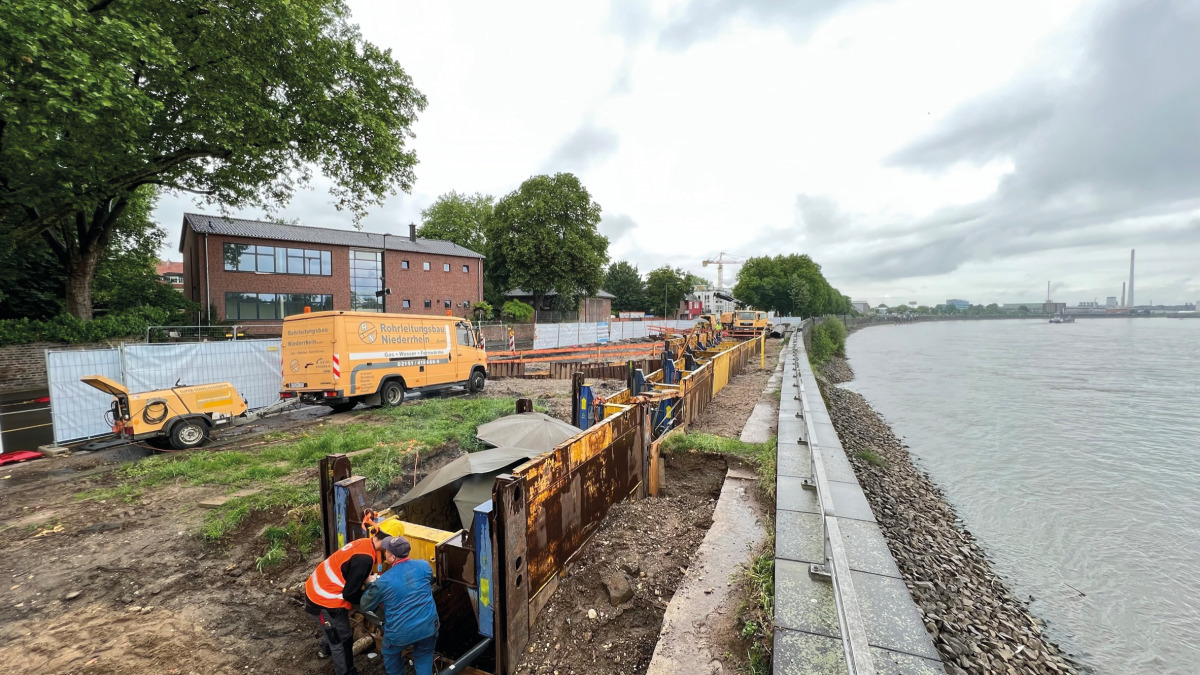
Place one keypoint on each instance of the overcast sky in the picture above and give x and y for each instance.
(918, 150)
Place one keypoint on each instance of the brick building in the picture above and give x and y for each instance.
(252, 271)
(170, 273)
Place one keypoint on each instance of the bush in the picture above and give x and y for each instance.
(517, 311)
(828, 339)
(66, 328)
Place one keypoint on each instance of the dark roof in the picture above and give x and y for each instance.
(257, 229)
(518, 293)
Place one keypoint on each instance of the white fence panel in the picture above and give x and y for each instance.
(76, 409)
(587, 333)
(252, 366)
(545, 336)
(602, 332)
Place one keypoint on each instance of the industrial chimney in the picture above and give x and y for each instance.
(1122, 294)
(1131, 252)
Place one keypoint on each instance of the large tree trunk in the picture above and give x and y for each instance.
(81, 270)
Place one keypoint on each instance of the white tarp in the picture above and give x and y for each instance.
(252, 366)
(77, 410)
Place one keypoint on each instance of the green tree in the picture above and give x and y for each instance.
(789, 284)
(669, 284)
(544, 232)
(458, 218)
(949, 308)
(517, 311)
(993, 308)
(624, 281)
(482, 310)
(1023, 309)
(238, 102)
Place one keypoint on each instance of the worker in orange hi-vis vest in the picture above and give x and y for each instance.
(336, 586)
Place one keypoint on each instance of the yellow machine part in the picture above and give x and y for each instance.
(151, 411)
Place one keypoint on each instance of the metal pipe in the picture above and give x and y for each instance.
(468, 658)
(207, 286)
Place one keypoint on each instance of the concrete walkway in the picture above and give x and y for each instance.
(704, 608)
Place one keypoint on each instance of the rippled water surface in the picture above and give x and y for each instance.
(1072, 452)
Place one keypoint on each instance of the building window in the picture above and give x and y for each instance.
(366, 279)
(446, 303)
(405, 304)
(466, 303)
(466, 268)
(277, 260)
(273, 306)
(403, 264)
(172, 278)
(428, 304)
(425, 266)
(445, 267)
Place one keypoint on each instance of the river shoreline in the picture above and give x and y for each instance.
(977, 624)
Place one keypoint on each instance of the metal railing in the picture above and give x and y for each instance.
(836, 565)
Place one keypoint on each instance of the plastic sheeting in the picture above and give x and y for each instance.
(552, 335)
(254, 367)
(76, 409)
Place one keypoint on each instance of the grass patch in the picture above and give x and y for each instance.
(128, 494)
(298, 536)
(872, 458)
(395, 434)
(757, 613)
(761, 455)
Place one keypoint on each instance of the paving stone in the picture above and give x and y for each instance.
(866, 549)
(803, 602)
(893, 620)
(791, 495)
(793, 460)
(850, 502)
(797, 653)
(895, 663)
(798, 536)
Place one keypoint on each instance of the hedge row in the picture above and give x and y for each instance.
(66, 328)
(828, 338)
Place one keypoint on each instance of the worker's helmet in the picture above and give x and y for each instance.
(392, 527)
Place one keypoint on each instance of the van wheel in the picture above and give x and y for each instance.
(347, 406)
(475, 384)
(188, 434)
(392, 393)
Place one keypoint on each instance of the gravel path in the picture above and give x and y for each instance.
(976, 622)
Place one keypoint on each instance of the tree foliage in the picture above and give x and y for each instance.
(544, 234)
(669, 282)
(235, 101)
(33, 279)
(828, 339)
(517, 311)
(791, 285)
(458, 218)
(624, 281)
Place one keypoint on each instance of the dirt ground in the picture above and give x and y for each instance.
(647, 543)
(730, 409)
(555, 395)
(131, 588)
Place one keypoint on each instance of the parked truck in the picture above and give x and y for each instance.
(341, 359)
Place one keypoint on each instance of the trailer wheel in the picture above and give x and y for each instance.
(392, 393)
(188, 433)
(475, 384)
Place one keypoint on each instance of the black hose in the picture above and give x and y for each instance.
(468, 658)
(146, 417)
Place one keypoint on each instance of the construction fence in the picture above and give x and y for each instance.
(78, 410)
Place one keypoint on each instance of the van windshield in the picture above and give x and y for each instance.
(745, 315)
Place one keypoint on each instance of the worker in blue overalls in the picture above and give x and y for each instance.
(405, 593)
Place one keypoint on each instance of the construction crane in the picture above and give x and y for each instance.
(721, 260)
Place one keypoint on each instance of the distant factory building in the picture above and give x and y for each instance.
(1110, 301)
(860, 306)
(960, 304)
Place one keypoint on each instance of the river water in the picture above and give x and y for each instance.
(1072, 452)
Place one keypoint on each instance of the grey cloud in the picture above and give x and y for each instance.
(702, 20)
(1106, 159)
(616, 227)
(586, 146)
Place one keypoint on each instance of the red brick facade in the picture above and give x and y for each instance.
(414, 284)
